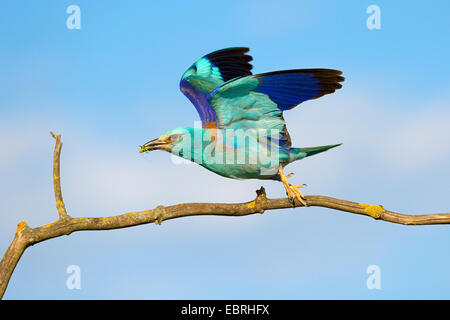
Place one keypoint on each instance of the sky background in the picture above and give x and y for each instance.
(113, 85)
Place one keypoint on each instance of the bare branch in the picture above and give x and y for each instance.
(65, 225)
(57, 178)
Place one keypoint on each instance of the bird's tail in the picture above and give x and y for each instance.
(300, 153)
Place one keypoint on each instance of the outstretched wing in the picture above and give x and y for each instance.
(208, 73)
(258, 101)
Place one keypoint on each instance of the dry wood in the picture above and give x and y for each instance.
(65, 225)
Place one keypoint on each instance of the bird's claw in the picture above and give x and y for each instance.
(298, 193)
(292, 191)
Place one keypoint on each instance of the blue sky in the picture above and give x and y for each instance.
(113, 85)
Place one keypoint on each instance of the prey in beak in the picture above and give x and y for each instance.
(156, 144)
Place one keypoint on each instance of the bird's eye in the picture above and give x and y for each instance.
(194, 67)
(175, 137)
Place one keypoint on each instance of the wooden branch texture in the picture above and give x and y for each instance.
(26, 236)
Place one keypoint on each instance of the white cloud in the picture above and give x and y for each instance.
(371, 128)
(420, 140)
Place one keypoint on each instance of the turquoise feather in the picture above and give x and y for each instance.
(244, 134)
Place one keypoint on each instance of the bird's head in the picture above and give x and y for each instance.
(170, 141)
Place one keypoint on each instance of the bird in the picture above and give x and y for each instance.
(243, 134)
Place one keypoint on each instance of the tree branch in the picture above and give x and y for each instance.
(56, 178)
(65, 225)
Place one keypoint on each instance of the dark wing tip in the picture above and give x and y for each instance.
(328, 79)
(232, 62)
(229, 51)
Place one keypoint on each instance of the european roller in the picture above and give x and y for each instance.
(243, 134)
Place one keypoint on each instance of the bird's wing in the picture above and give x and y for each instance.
(208, 73)
(257, 101)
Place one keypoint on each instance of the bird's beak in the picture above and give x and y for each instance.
(156, 144)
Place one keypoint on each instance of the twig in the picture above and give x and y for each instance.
(57, 179)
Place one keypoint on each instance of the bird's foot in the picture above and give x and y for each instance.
(298, 193)
(292, 191)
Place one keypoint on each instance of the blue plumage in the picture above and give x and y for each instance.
(208, 73)
(292, 87)
(200, 102)
(235, 105)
